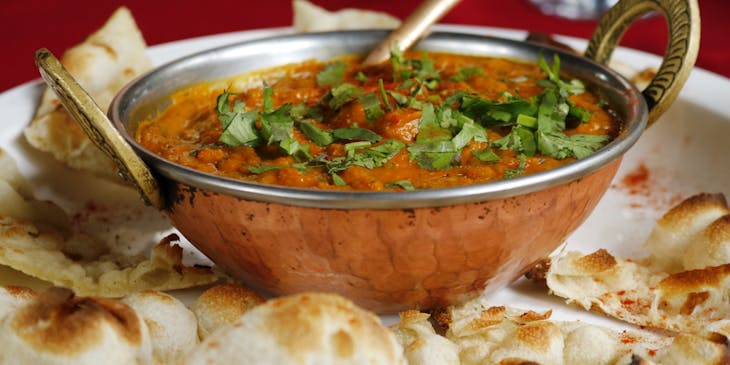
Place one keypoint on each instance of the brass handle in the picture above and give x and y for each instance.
(683, 21)
(97, 126)
(411, 30)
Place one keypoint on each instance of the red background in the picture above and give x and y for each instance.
(27, 25)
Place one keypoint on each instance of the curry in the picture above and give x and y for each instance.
(423, 120)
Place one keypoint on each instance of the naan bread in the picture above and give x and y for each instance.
(222, 305)
(500, 335)
(684, 284)
(102, 64)
(36, 238)
(59, 328)
(172, 326)
(421, 344)
(312, 18)
(13, 297)
(309, 328)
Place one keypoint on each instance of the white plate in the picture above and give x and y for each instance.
(685, 153)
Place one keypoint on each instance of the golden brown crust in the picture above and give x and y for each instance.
(689, 208)
(222, 305)
(61, 323)
(596, 262)
(695, 280)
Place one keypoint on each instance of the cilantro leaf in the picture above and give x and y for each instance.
(343, 93)
(263, 168)
(318, 136)
(486, 155)
(510, 174)
(337, 180)
(559, 145)
(301, 111)
(519, 139)
(360, 154)
(436, 146)
(384, 95)
(332, 74)
(401, 184)
(356, 134)
(371, 106)
(361, 77)
(465, 73)
(241, 130)
(239, 126)
(492, 112)
(469, 131)
(268, 99)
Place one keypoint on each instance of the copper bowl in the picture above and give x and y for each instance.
(389, 251)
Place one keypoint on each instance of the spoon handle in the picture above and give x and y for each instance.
(411, 30)
(98, 127)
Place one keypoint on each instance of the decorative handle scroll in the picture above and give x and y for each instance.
(97, 126)
(683, 21)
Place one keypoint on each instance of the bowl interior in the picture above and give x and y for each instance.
(150, 94)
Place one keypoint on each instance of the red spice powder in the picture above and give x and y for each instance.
(643, 184)
(636, 181)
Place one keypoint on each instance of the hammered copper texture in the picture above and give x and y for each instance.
(385, 260)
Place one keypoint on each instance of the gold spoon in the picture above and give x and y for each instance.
(411, 30)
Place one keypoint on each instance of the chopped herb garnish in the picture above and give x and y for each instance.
(332, 74)
(509, 174)
(263, 168)
(356, 134)
(239, 126)
(520, 139)
(317, 135)
(337, 180)
(465, 73)
(371, 106)
(384, 95)
(448, 123)
(361, 77)
(399, 98)
(401, 184)
(486, 155)
(342, 94)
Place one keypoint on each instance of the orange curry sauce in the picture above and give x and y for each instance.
(188, 132)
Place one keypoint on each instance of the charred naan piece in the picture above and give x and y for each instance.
(421, 344)
(222, 305)
(307, 328)
(683, 285)
(37, 239)
(312, 18)
(102, 64)
(172, 326)
(486, 334)
(12, 297)
(57, 327)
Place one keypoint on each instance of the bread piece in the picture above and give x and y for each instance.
(308, 328)
(684, 284)
(312, 18)
(42, 254)
(222, 305)
(12, 297)
(420, 342)
(102, 64)
(172, 327)
(486, 334)
(59, 328)
(679, 229)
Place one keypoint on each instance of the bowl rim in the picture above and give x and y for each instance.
(423, 198)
